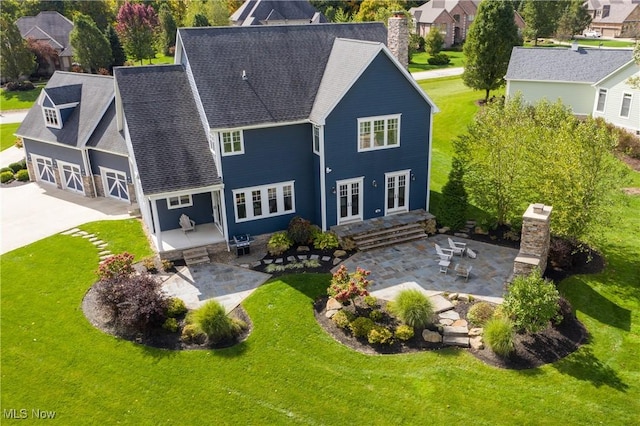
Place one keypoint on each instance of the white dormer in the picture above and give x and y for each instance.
(58, 103)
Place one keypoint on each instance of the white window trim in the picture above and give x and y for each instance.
(360, 216)
(264, 201)
(604, 104)
(227, 154)
(315, 128)
(34, 161)
(407, 174)
(63, 179)
(371, 120)
(622, 104)
(105, 185)
(180, 203)
(58, 118)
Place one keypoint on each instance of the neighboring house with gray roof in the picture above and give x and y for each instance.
(615, 18)
(70, 138)
(590, 81)
(255, 125)
(53, 28)
(276, 12)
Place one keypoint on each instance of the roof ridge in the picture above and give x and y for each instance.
(82, 74)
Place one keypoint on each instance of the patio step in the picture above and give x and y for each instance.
(456, 341)
(389, 236)
(196, 256)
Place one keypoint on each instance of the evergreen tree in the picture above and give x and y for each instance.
(118, 57)
(489, 44)
(15, 57)
(199, 20)
(574, 19)
(90, 45)
(168, 27)
(453, 212)
(434, 41)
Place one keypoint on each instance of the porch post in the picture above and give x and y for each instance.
(156, 222)
(223, 215)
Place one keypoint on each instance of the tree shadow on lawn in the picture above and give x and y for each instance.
(584, 365)
(588, 301)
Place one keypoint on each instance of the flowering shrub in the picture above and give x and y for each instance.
(346, 287)
(120, 265)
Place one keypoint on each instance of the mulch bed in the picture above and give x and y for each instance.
(325, 267)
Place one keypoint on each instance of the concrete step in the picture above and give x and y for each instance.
(196, 256)
(456, 341)
(391, 241)
(365, 235)
(449, 330)
(197, 260)
(389, 235)
(440, 303)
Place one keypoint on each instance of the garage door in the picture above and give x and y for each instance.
(115, 184)
(44, 169)
(71, 177)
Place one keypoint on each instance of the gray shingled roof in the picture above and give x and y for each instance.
(565, 65)
(64, 94)
(97, 92)
(106, 137)
(169, 142)
(53, 24)
(284, 67)
(264, 10)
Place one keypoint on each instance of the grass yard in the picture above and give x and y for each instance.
(596, 42)
(419, 61)
(19, 100)
(7, 138)
(159, 59)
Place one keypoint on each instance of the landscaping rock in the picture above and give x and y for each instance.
(461, 341)
(452, 315)
(445, 321)
(331, 313)
(302, 257)
(279, 260)
(256, 264)
(267, 261)
(70, 231)
(336, 261)
(314, 257)
(333, 304)
(326, 258)
(431, 336)
(103, 252)
(444, 230)
(461, 235)
(339, 253)
(471, 223)
(291, 258)
(440, 303)
(476, 332)
(83, 233)
(97, 242)
(451, 330)
(88, 236)
(478, 230)
(303, 249)
(453, 296)
(463, 297)
(460, 323)
(476, 342)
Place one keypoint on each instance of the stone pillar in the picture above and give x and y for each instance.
(32, 172)
(87, 182)
(398, 38)
(99, 186)
(535, 240)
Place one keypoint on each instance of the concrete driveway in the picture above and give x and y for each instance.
(31, 212)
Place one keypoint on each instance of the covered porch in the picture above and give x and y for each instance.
(175, 239)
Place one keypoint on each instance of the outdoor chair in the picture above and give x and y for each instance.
(187, 224)
(471, 254)
(457, 248)
(463, 271)
(443, 253)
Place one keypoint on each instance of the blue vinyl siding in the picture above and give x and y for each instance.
(55, 152)
(110, 161)
(381, 90)
(201, 212)
(272, 155)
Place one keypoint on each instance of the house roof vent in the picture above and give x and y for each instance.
(244, 75)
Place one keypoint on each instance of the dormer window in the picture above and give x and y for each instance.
(51, 117)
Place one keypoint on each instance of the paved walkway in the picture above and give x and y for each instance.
(439, 73)
(11, 155)
(15, 116)
(415, 262)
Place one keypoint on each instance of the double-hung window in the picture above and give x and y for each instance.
(602, 99)
(378, 132)
(179, 201)
(232, 142)
(626, 105)
(264, 201)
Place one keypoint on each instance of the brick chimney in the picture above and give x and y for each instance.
(398, 38)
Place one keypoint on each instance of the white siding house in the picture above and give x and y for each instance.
(616, 101)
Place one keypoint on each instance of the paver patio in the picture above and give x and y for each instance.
(415, 262)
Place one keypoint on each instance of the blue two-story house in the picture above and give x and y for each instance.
(255, 125)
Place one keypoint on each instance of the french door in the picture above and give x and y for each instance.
(349, 193)
(115, 184)
(44, 169)
(397, 192)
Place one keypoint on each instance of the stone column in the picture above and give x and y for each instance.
(398, 38)
(32, 172)
(535, 240)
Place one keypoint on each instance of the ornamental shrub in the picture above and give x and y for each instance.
(453, 209)
(150, 265)
(6, 176)
(213, 320)
(498, 335)
(439, 59)
(20, 165)
(371, 301)
(531, 302)
(342, 318)
(361, 326)
(5, 169)
(119, 265)
(22, 175)
(176, 307)
(191, 334)
(170, 324)
(480, 313)
(380, 335)
(376, 315)
(326, 241)
(300, 230)
(404, 332)
(167, 265)
(413, 308)
(279, 243)
(347, 287)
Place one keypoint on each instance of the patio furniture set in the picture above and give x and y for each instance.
(445, 255)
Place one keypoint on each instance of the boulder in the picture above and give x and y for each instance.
(463, 297)
(455, 331)
(431, 336)
(331, 312)
(461, 234)
(460, 323)
(302, 249)
(333, 304)
(336, 261)
(452, 315)
(339, 253)
(444, 230)
(476, 342)
(476, 332)
(445, 321)
(453, 296)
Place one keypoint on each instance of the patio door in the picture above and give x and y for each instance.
(217, 210)
(44, 169)
(115, 184)
(349, 195)
(71, 177)
(397, 192)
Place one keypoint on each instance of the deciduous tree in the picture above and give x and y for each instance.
(541, 18)
(433, 41)
(91, 46)
(15, 57)
(488, 47)
(574, 19)
(137, 25)
(46, 55)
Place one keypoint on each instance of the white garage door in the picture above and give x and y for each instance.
(115, 184)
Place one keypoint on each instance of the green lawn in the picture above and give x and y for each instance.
(7, 138)
(159, 59)
(19, 100)
(419, 61)
(604, 43)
